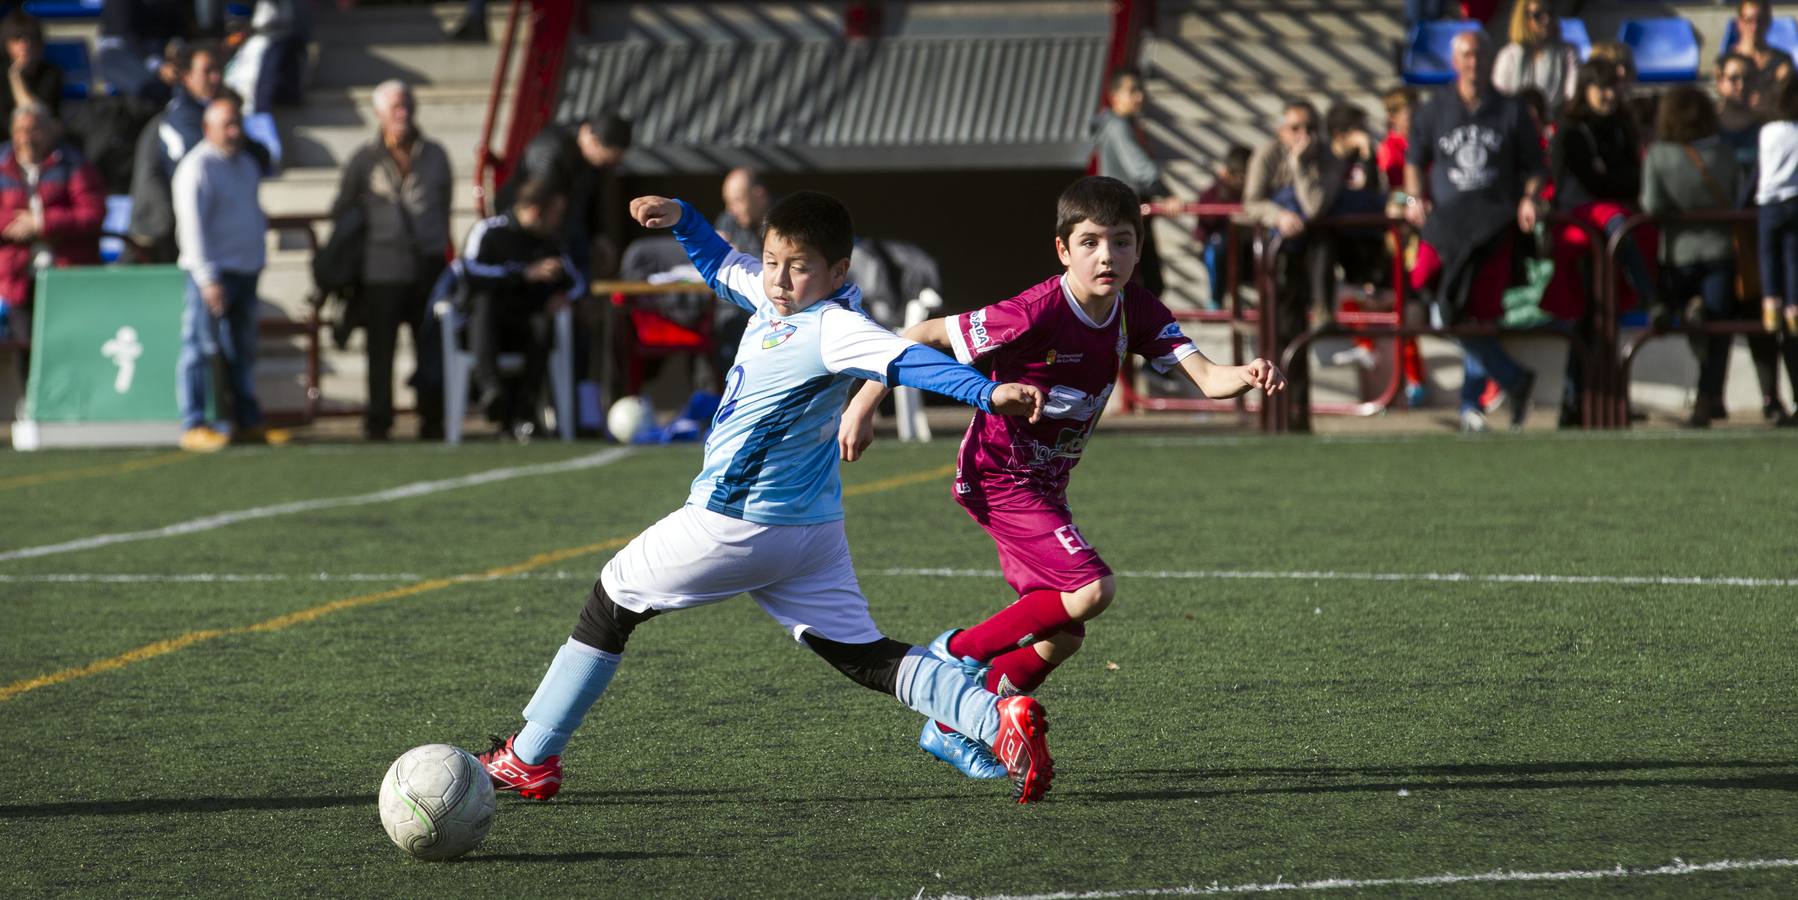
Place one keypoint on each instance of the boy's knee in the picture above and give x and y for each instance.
(1092, 599)
(606, 625)
(872, 665)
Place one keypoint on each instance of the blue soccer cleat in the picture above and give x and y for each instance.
(973, 669)
(963, 752)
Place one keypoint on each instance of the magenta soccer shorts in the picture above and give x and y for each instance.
(1039, 546)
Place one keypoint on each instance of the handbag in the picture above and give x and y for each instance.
(1744, 240)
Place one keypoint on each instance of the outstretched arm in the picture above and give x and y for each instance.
(856, 432)
(1223, 382)
(731, 275)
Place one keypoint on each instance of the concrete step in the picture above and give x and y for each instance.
(1274, 62)
(369, 45)
(1323, 23)
(324, 132)
(309, 191)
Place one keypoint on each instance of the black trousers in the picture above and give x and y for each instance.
(500, 323)
(385, 307)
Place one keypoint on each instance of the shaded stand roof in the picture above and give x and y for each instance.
(1001, 94)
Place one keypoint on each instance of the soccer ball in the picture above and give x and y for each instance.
(627, 419)
(436, 802)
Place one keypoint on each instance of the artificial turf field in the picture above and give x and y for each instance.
(1231, 722)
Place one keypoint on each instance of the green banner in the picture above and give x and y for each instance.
(104, 345)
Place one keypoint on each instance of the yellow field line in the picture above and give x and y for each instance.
(887, 484)
(160, 648)
(135, 465)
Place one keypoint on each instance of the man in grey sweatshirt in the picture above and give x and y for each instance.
(219, 229)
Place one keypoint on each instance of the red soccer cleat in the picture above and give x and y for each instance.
(509, 773)
(1023, 747)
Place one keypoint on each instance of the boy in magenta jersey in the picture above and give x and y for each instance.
(1067, 336)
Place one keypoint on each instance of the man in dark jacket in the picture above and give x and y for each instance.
(1473, 173)
(518, 278)
(166, 139)
(402, 182)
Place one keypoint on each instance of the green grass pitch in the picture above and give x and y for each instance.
(1232, 731)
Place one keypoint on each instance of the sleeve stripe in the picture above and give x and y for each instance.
(957, 341)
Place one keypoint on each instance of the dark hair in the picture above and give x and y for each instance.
(1118, 75)
(1304, 106)
(1743, 58)
(1106, 202)
(1785, 101)
(1401, 97)
(1535, 101)
(184, 58)
(1344, 116)
(21, 24)
(612, 129)
(814, 221)
(537, 192)
(1686, 115)
(1592, 73)
(1236, 159)
(227, 95)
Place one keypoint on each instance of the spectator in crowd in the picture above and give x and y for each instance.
(746, 201)
(581, 161)
(471, 26)
(1690, 167)
(165, 140)
(134, 35)
(1123, 155)
(1738, 120)
(51, 206)
(29, 77)
(1618, 54)
(1226, 189)
(1777, 195)
(1596, 159)
(1536, 56)
(1771, 64)
(1292, 179)
(1482, 160)
(519, 278)
(402, 181)
(221, 240)
(269, 66)
(1399, 103)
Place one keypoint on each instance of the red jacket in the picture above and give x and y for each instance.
(74, 207)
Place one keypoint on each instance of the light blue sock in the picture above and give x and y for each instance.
(943, 692)
(576, 678)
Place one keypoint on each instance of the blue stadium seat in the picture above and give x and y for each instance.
(1665, 49)
(1573, 31)
(1427, 53)
(71, 56)
(64, 9)
(117, 221)
(1781, 35)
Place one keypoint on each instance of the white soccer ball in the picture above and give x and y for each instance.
(436, 802)
(627, 418)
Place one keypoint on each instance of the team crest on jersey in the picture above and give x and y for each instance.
(1170, 332)
(778, 332)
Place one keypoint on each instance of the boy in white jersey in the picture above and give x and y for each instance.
(765, 516)
(1067, 336)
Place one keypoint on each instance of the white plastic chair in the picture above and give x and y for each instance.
(458, 371)
(908, 404)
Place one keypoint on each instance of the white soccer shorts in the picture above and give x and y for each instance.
(799, 574)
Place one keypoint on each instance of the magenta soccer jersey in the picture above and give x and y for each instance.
(1042, 337)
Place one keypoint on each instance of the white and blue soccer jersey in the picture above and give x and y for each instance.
(771, 457)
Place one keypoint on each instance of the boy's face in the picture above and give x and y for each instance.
(796, 276)
(1099, 259)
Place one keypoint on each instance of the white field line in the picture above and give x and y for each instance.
(403, 492)
(1677, 867)
(1325, 575)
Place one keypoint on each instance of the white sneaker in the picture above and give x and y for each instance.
(1472, 421)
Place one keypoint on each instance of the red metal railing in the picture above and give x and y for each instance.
(539, 79)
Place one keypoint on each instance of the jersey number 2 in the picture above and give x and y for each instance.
(733, 389)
